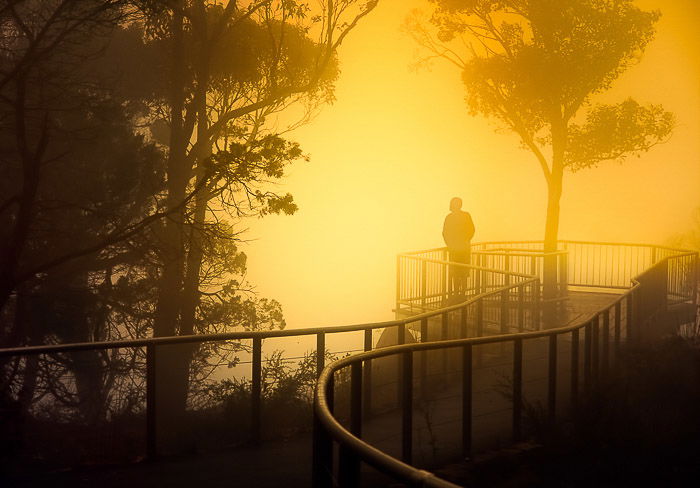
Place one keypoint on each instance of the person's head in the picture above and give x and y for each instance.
(455, 204)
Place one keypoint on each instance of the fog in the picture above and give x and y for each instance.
(398, 143)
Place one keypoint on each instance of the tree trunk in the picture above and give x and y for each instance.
(171, 391)
(551, 231)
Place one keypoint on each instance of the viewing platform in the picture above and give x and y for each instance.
(447, 379)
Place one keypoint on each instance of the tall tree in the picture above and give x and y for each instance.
(535, 67)
(230, 68)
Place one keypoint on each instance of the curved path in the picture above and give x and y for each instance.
(458, 409)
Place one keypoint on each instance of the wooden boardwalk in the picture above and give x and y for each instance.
(436, 421)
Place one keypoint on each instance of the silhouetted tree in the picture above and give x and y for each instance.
(220, 73)
(78, 189)
(535, 65)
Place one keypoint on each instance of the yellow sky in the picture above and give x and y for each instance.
(397, 145)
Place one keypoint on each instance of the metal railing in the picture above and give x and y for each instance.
(423, 277)
(670, 275)
(522, 290)
(504, 301)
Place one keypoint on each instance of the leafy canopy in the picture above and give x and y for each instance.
(534, 64)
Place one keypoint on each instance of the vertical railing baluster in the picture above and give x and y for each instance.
(587, 333)
(552, 377)
(506, 276)
(256, 392)
(504, 311)
(595, 347)
(423, 291)
(521, 308)
(477, 279)
(348, 462)
(367, 380)
(536, 305)
(424, 358)
(629, 318)
(479, 326)
(444, 333)
(463, 329)
(401, 339)
(398, 285)
(606, 341)
(320, 352)
(480, 317)
(618, 322)
(151, 417)
(407, 407)
(446, 278)
(517, 388)
(322, 459)
(574, 366)
(467, 395)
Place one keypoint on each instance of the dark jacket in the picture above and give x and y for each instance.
(458, 230)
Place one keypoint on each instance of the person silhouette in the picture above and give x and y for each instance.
(457, 231)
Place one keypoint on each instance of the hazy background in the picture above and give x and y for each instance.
(395, 147)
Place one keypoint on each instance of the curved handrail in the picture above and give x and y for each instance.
(404, 471)
(374, 456)
(255, 334)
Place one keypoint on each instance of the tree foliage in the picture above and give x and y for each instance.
(136, 137)
(536, 66)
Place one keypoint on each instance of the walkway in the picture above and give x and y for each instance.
(288, 463)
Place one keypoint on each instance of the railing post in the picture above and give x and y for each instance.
(536, 305)
(629, 318)
(595, 347)
(443, 332)
(479, 325)
(552, 377)
(477, 276)
(618, 322)
(401, 339)
(587, 333)
(606, 341)
(463, 329)
(446, 281)
(398, 285)
(574, 366)
(401, 333)
(467, 400)
(367, 380)
(696, 277)
(517, 388)
(348, 462)
(424, 358)
(483, 286)
(480, 317)
(504, 311)
(521, 308)
(320, 352)
(322, 460)
(256, 391)
(423, 284)
(151, 418)
(506, 276)
(407, 407)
